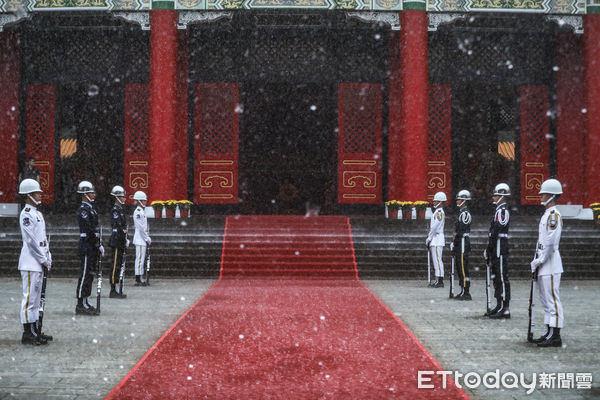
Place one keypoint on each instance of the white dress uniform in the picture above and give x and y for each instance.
(140, 239)
(436, 241)
(549, 266)
(34, 254)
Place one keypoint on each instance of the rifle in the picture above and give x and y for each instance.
(43, 293)
(99, 286)
(452, 280)
(428, 266)
(148, 266)
(531, 307)
(487, 287)
(122, 273)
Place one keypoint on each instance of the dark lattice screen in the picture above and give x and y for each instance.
(40, 114)
(39, 134)
(360, 120)
(439, 159)
(438, 140)
(139, 119)
(534, 122)
(214, 120)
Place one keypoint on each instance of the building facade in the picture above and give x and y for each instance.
(260, 106)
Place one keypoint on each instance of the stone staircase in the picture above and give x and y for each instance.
(384, 249)
(396, 248)
(180, 248)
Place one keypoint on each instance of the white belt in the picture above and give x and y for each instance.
(504, 235)
(465, 235)
(82, 234)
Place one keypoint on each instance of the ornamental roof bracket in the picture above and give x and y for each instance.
(575, 22)
(187, 17)
(437, 19)
(391, 19)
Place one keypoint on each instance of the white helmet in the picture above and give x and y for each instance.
(29, 186)
(463, 195)
(502, 189)
(551, 186)
(85, 187)
(440, 196)
(117, 191)
(139, 195)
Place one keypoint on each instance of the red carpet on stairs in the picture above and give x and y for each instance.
(321, 335)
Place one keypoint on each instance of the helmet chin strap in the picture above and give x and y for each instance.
(88, 198)
(37, 203)
(499, 200)
(119, 200)
(461, 203)
(545, 203)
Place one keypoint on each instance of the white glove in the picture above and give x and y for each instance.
(427, 242)
(49, 258)
(451, 246)
(534, 265)
(126, 242)
(149, 241)
(485, 254)
(101, 248)
(47, 264)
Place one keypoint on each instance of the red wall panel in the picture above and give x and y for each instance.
(439, 156)
(359, 143)
(40, 135)
(9, 115)
(535, 146)
(136, 154)
(216, 143)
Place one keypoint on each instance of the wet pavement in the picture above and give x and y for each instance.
(90, 355)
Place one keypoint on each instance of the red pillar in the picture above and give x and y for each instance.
(408, 109)
(9, 114)
(570, 124)
(591, 38)
(163, 94)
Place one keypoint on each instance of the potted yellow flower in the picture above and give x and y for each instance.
(596, 210)
(184, 208)
(170, 206)
(421, 207)
(392, 206)
(157, 206)
(407, 207)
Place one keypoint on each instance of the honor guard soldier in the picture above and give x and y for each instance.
(435, 240)
(35, 255)
(497, 252)
(118, 240)
(141, 239)
(461, 245)
(547, 264)
(90, 247)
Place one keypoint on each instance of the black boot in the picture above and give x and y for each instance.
(553, 340)
(138, 281)
(466, 295)
(503, 312)
(495, 309)
(439, 283)
(41, 334)
(30, 336)
(543, 337)
(80, 309)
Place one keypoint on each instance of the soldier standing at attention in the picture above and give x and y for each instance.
(435, 240)
(118, 240)
(35, 255)
(141, 239)
(497, 252)
(547, 265)
(89, 247)
(461, 245)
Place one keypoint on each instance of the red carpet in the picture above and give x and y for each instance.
(285, 338)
